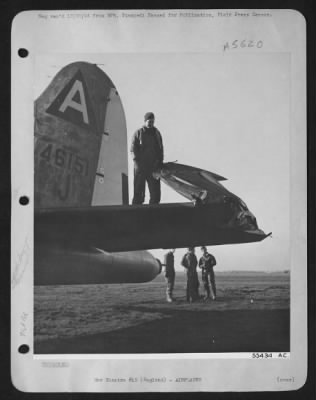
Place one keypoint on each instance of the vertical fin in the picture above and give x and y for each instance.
(69, 130)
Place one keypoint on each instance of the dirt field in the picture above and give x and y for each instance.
(251, 314)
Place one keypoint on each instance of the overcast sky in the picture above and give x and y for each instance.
(226, 113)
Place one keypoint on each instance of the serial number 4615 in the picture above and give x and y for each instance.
(62, 158)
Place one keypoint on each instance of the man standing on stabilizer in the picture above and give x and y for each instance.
(147, 151)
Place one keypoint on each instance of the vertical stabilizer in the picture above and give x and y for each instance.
(70, 128)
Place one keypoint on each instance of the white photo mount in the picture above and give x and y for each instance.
(249, 67)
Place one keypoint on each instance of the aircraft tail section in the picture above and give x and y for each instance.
(193, 183)
(204, 187)
(71, 128)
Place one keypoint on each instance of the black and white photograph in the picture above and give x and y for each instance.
(166, 216)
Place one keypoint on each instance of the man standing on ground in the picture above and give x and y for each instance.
(207, 262)
(189, 262)
(147, 151)
(169, 274)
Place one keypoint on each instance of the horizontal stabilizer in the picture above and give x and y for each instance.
(130, 228)
(193, 183)
(213, 175)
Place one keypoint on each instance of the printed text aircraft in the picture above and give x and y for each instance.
(84, 229)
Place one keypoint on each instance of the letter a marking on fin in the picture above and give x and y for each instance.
(79, 106)
(73, 104)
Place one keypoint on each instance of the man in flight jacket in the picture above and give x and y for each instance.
(147, 151)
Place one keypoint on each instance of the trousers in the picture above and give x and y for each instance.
(170, 285)
(140, 179)
(209, 278)
(192, 289)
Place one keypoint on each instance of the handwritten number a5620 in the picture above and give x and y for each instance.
(243, 44)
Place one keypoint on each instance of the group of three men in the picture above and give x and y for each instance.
(189, 261)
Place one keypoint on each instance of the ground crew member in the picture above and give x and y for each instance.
(189, 262)
(169, 274)
(207, 262)
(147, 152)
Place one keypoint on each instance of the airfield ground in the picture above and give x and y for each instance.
(251, 314)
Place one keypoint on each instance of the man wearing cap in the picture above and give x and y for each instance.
(189, 262)
(207, 262)
(147, 152)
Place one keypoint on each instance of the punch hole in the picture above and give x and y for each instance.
(24, 200)
(23, 53)
(23, 349)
